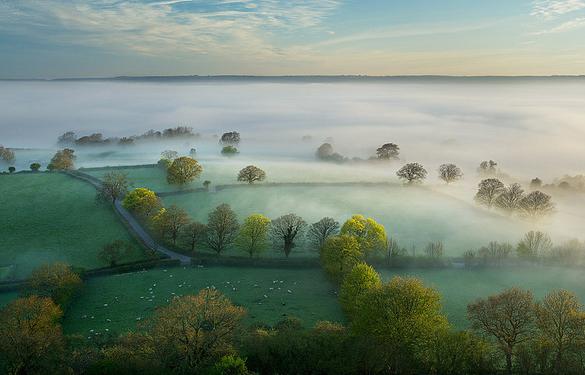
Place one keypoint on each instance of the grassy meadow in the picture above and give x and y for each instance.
(53, 217)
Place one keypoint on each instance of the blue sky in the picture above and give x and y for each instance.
(74, 38)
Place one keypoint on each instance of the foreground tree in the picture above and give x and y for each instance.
(114, 252)
(222, 228)
(62, 160)
(339, 255)
(450, 173)
(183, 170)
(169, 222)
(537, 204)
(31, 340)
(508, 317)
(56, 281)
(251, 174)
(388, 151)
(6, 154)
(355, 284)
(114, 186)
(535, 244)
(509, 198)
(370, 234)
(412, 173)
(194, 331)
(253, 234)
(488, 191)
(400, 320)
(141, 201)
(194, 234)
(319, 232)
(284, 231)
(230, 138)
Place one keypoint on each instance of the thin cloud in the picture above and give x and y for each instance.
(553, 8)
(577, 23)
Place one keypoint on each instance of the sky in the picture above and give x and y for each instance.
(105, 38)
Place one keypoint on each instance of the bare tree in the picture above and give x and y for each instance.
(285, 230)
(434, 250)
(222, 228)
(533, 245)
(508, 317)
(114, 186)
(487, 168)
(450, 173)
(194, 233)
(537, 204)
(510, 198)
(488, 190)
(388, 151)
(412, 173)
(321, 230)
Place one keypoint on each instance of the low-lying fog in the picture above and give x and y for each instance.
(531, 128)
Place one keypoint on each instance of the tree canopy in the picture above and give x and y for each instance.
(62, 160)
(253, 235)
(388, 151)
(222, 228)
(285, 230)
(370, 234)
(251, 174)
(412, 173)
(183, 170)
(141, 201)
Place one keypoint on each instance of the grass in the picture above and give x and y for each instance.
(52, 217)
(105, 305)
(414, 216)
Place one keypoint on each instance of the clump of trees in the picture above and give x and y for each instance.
(62, 160)
(412, 173)
(6, 154)
(97, 139)
(325, 152)
(388, 151)
(251, 174)
(183, 170)
(230, 138)
(56, 281)
(450, 173)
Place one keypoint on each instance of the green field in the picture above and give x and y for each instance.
(117, 303)
(50, 217)
(413, 216)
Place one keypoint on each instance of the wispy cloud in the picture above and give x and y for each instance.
(577, 23)
(552, 8)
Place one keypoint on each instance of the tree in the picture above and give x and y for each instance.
(67, 139)
(169, 155)
(56, 281)
(253, 234)
(388, 151)
(31, 340)
(114, 252)
(412, 173)
(285, 230)
(488, 191)
(339, 255)
(62, 160)
(400, 320)
(222, 228)
(6, 154)
(325, 152)
(169, 222)
(164, 164)
(35, 167)
(206, 184)
(534, 244)
(229, 151)
(141, 201)
(510, 197)
(487, 168)
(230, 138)
(537, 204)
(319, 232)
(11, 169)
(355, 284)
(434, 250)
(183, 170)
(460, 352)
(450, 173)
(114, 186)
(495, 252)
(535, 183)
(194, 331)
(230, 365)
(561, 323)
(194, 233)
(508, 317)
(251, 174)
(370, 234)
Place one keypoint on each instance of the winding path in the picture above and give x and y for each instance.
(133, 224)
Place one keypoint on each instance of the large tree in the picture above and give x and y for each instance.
(412, 173)
(194, 234)
(339, 255)
(222, 228)
(510, 197)
(114, 186)
(285, 230)
(251, 174)
(194, 331)
(319, 232)
(355, 284)
(230, 138)
(183, 170)
(488, 191)
(370, 234)
(142, 201)
(388, 151)
(56, 281)
(450, 173)
(537, 204)
(31, 339)
(507, 317)
(253, 234)
(62, 160)
(169, 222)
(6, 154)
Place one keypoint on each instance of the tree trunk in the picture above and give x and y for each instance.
(509, 362)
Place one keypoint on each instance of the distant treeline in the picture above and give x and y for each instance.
(97, 139)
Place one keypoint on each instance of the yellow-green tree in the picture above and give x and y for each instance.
(62, 160)
(31, 340)
(355, 284)
(339, 255)
(400, 320)
(169, 222)
(183, 170)
(141, 201)
(253, 235)
(56, 281)
(370, 234)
